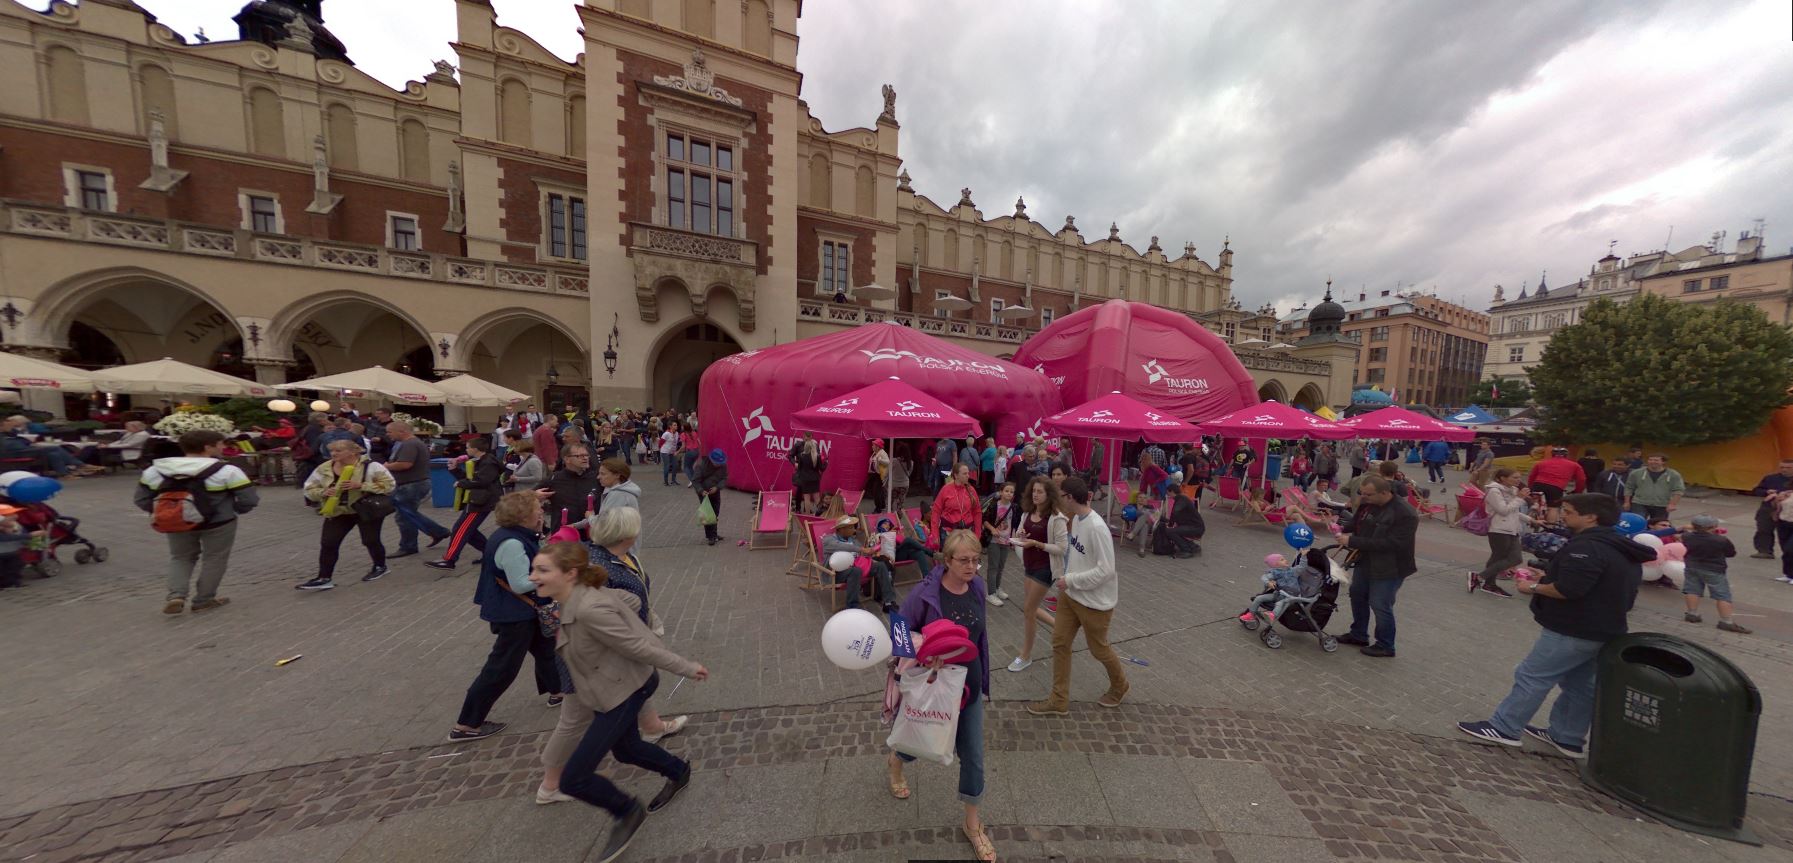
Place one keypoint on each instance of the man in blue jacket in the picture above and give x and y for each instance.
(1436, 455)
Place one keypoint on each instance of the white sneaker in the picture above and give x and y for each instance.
(1020, 664)
(543, 796)
(993, 599)
(1002, 593)
(673, 726)
(1783, 579)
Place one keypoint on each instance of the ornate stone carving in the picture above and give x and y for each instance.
(457, 220)
(1114, 231)
(694, 245)
(444, 73)
(323, 201)
(298, 36)
(1070, 224)
(1188, 250)
(903, 182)
(698, 79)
(965, 197)
(889, 104)
(130, 232)
(222, 243)
(1020, 208)
(1500, 294)
(161, 177)
(1154, 247)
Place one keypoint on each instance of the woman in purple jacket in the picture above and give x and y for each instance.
(954, 592)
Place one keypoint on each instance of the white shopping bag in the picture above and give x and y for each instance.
(927, 721)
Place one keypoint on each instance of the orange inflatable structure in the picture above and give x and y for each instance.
(1735, 464)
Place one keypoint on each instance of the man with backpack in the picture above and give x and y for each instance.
(195, 499)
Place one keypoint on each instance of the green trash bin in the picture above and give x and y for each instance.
(1674, 733)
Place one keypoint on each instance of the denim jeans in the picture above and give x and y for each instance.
(881, 579)
(909, 549)
(1000, 552)
(615, 732)
(410, 519)
(968, 746)
(1556, 660)
(1435, 471)
(1378, 596)
(669, 468)
(689, 464)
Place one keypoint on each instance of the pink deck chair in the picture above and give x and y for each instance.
(770, 520)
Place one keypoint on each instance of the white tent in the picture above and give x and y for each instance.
(18, 370)
(172, 377)
(400, 388)
(479, 393)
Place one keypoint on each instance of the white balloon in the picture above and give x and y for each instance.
(12, 476)
(1675, 570)
(1652, 571)
(840, 560)
(1649, 539)
(855, 639)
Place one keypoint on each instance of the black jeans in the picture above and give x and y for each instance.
(466, 532)
(1374, 595)
(515, 641)
(909, 549)
(881, 578)
(336, 529)
(614, 732)
(1784, 529)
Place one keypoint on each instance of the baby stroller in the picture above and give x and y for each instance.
(38, 558)
(1309, 610)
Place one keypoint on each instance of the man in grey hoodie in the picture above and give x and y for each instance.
(221, 492)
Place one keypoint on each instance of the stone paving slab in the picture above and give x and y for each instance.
(148, 734)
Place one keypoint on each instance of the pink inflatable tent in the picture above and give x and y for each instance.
(1157, 356)
(745, 401)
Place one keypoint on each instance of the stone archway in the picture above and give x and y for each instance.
(517, 347)
(1310, 398)
(131, 315)
(1273, 391)
(342, 331)
(679, 357)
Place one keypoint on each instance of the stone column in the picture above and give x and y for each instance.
(269, 371)
(454, 417)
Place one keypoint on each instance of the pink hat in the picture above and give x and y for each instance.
(1275, 561)
(953, 648)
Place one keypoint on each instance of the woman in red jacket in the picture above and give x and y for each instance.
(955, 508)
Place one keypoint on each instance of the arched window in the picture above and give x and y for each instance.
(158, 95)
(267, 127)
(865, 192)
(414, 151)
(700, 18)
(513, 112)
(758, 28)
(821, 182)
(918, 240)
(1008, 260)
(951, 261)
(68, 85)
(340, 143)
(576, 126)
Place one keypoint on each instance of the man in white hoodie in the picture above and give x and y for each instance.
(219, 493)
(1088, 593)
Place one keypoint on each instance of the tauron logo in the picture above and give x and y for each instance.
(756, 424)
(1154, 371)
(886, 354)
(904, 405)
(1100, 414)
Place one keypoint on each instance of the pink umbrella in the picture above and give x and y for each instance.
(888, 408)
(1118, 417)
(1398, 423)
(1276, 420)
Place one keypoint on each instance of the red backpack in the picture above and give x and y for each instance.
(181, 503)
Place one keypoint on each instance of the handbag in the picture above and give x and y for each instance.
(1476, 522)
(706, 514)
(927, 720)
(373, 507)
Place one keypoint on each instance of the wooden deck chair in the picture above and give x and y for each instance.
(807, 562)
(1425, 508)
(1123, 495)
(770, 520)
(1271, 514)
(902, 571)
(1227, 492)
(1297, 505)
(850, 501)
(913, 522)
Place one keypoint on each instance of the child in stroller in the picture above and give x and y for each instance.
(1301, 597)
(49, 530)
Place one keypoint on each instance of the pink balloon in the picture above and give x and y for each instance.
(1672, 551)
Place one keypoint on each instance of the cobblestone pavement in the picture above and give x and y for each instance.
(142, 736)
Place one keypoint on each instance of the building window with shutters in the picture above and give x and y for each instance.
(89, 188)
(1045, 317)
(401, 232)
(836, 270)
(261, 212)
(701, 185)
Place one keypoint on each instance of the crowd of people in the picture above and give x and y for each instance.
(560, 580)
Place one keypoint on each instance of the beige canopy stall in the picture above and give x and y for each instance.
(172, 377)
(23, 372)
(400, 388)
(475, 392)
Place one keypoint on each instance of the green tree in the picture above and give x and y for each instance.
(1514, 393)
(1652, 371)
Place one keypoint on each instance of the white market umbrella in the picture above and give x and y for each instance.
(401, 388)
(874, 291)
(18, 370)
(172, 377)
(479, 393)
(1254, 343)
(1282, 346)
(1014, 313)
(952, 303)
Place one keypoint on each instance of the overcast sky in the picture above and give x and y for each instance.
(1436, 144)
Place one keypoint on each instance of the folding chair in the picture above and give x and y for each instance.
(807, 562)
(1427, 510)
(771, 517)
(913, 521)
(849, 501)
(1265, 513)
(1227, 490)
(1123, 495)
(898, 569)
(1297, 505)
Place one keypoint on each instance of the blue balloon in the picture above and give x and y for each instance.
(35, 489)
(1631, 524)
(1130, 512)
(1298, 536)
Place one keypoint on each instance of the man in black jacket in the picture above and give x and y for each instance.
(1383, 538)
(1770, 490)
(571, 489)
(1581, 603)
(711, 475)
(476, 492)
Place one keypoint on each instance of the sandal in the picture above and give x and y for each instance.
(986, 850)
(899, 788)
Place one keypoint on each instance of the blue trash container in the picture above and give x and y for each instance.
(1273, 467)
(441, 483)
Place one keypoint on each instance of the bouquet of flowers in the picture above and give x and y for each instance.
(181, 422)
(426, 428)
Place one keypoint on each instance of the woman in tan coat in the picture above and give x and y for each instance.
(612, 656)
